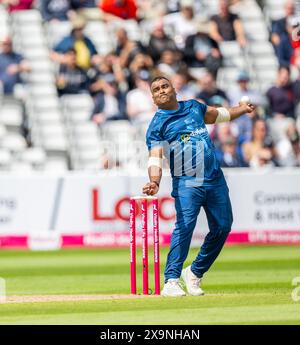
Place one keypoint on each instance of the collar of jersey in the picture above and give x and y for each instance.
(170, 112)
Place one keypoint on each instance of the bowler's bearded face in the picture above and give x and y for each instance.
(163, 93)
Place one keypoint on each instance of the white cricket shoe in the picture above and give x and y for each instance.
(172, 289)
(192, 282)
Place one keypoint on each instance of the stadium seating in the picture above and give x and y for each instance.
(60, 132)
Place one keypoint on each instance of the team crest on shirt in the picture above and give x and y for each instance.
(185, 138)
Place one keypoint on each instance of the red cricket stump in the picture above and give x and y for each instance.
(145, 272)
(156, 247)
(132, 246)
(145, 245)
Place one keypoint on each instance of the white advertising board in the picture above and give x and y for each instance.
(89, 208)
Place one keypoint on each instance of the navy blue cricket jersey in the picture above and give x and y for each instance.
(187, 145)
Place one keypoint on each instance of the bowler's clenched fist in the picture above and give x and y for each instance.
(150, 188)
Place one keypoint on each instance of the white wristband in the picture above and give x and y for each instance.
(224, 115)
(155, 161)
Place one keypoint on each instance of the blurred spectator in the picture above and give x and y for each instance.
(296, 91)
(243, 89)
(182, 24)
(140, 62)
(296, 57)
(260, 151)
(71, 79)
(109, 65)
(79, 4)
(11, 66)
(82, 4)
(202, 51)
(281, 95)
(183, 89)
(297, 7)
(217, 101)
(241, 128)
(173, 6)
(170, 63)
(151, 9)
(17, 5)
(280, 35)
(86, 52)
(110, 101)
(140, 107)
(159, 42)
(288, 148)
(227, 26)
(221, 133)
(118, 9)
(209, 88)
(231, 156)
(126, 49)
(296, 83)
(293, 28)
(87, 9)
(55, 9)
(244, 124)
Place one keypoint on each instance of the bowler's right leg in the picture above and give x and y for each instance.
(187, 204)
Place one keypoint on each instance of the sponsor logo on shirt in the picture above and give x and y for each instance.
(186, 137)
(198, 131)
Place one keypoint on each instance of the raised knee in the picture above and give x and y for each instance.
(227, 224)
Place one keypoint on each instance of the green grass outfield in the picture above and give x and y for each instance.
(246, 285)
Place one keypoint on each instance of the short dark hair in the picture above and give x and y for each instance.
(159, 78)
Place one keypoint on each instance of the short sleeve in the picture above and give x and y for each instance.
(278, 26)
(153, 136)
(64, 45)
(202, 108)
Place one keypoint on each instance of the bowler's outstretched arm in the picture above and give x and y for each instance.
(217, 115)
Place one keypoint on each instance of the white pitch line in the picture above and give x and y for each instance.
(69, 298)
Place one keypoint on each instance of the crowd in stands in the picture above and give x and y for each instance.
(11, 67)
(119, 81)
